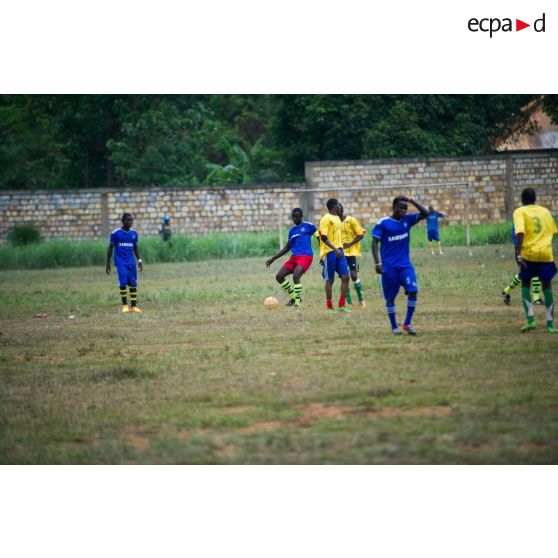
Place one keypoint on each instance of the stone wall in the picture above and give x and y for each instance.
(496, 182)
(81, 214)
(366, 188)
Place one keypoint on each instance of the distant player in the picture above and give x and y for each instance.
(395, 267)
(124, 243)
(432, 231)
(536, 282)
(534, 228)
(165, 231)
(300, 244)
(331, 255)
(351, 235)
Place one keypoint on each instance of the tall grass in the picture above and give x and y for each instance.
(183, 248)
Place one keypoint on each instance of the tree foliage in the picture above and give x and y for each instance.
(77, 141)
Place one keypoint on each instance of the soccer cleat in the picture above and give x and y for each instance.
(528, 327)
(396, 331)
(409, 329)
(135, 310)
(441, 253)
(551, 329)
(362, 304)
(343, 309)
(291, 302)
(125, 309)
(507, 298)
(330, 310)
(538, 301)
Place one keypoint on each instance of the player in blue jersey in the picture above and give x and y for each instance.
(432, 231)
(124, 243)
(395, 267)
(300, 244)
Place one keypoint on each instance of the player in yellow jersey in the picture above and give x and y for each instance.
(331, 255)
(351, 235)
(534, 229)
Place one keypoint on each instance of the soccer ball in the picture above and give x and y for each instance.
(271, 302)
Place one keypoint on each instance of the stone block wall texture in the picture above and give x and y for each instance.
(365, 187)
(496, 183)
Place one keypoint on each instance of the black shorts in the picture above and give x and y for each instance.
(352, 262)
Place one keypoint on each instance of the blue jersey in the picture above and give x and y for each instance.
(124, 243)
(394, 237)
(300, 239)
(432, 220)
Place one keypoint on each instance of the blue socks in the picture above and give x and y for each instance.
(411, 305)
(390, 307)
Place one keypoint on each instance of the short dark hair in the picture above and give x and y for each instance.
(398, 199)
(331, 203)
(297, 210)
(126, 215)
(528, 196)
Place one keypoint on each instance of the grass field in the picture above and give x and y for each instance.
(207, 375)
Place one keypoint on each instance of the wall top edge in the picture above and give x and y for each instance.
(212, 187)
(539, 153)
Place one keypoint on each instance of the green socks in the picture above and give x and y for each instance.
(288, 288)
(527, 304)
(513, 283)
(360, 293)
(297, 292)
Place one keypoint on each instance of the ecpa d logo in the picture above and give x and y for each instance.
(492, 25)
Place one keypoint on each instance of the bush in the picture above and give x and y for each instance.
(22, 235)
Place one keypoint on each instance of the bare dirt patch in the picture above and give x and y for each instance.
(262, 426)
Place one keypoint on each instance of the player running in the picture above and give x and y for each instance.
(432, 231)
(124, 243)
(395, 267)
(536, 282)
(331, 255)
(534, 228)
(299, 243)
(351, 235)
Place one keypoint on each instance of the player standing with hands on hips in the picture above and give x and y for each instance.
(395, 267)
(124, 243)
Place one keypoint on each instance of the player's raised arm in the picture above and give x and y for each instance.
(423, 210)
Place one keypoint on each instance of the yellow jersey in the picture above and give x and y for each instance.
(330, 226)
(538, 227)
(350, 229)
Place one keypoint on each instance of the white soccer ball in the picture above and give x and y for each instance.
(271, 302)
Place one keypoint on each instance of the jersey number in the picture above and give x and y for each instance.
(538, 226)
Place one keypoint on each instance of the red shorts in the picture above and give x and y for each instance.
(303, 261)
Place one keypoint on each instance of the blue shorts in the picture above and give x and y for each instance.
(433, 235)
(545, 271)
(394, 278)
(334, 264)
(127, 275)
